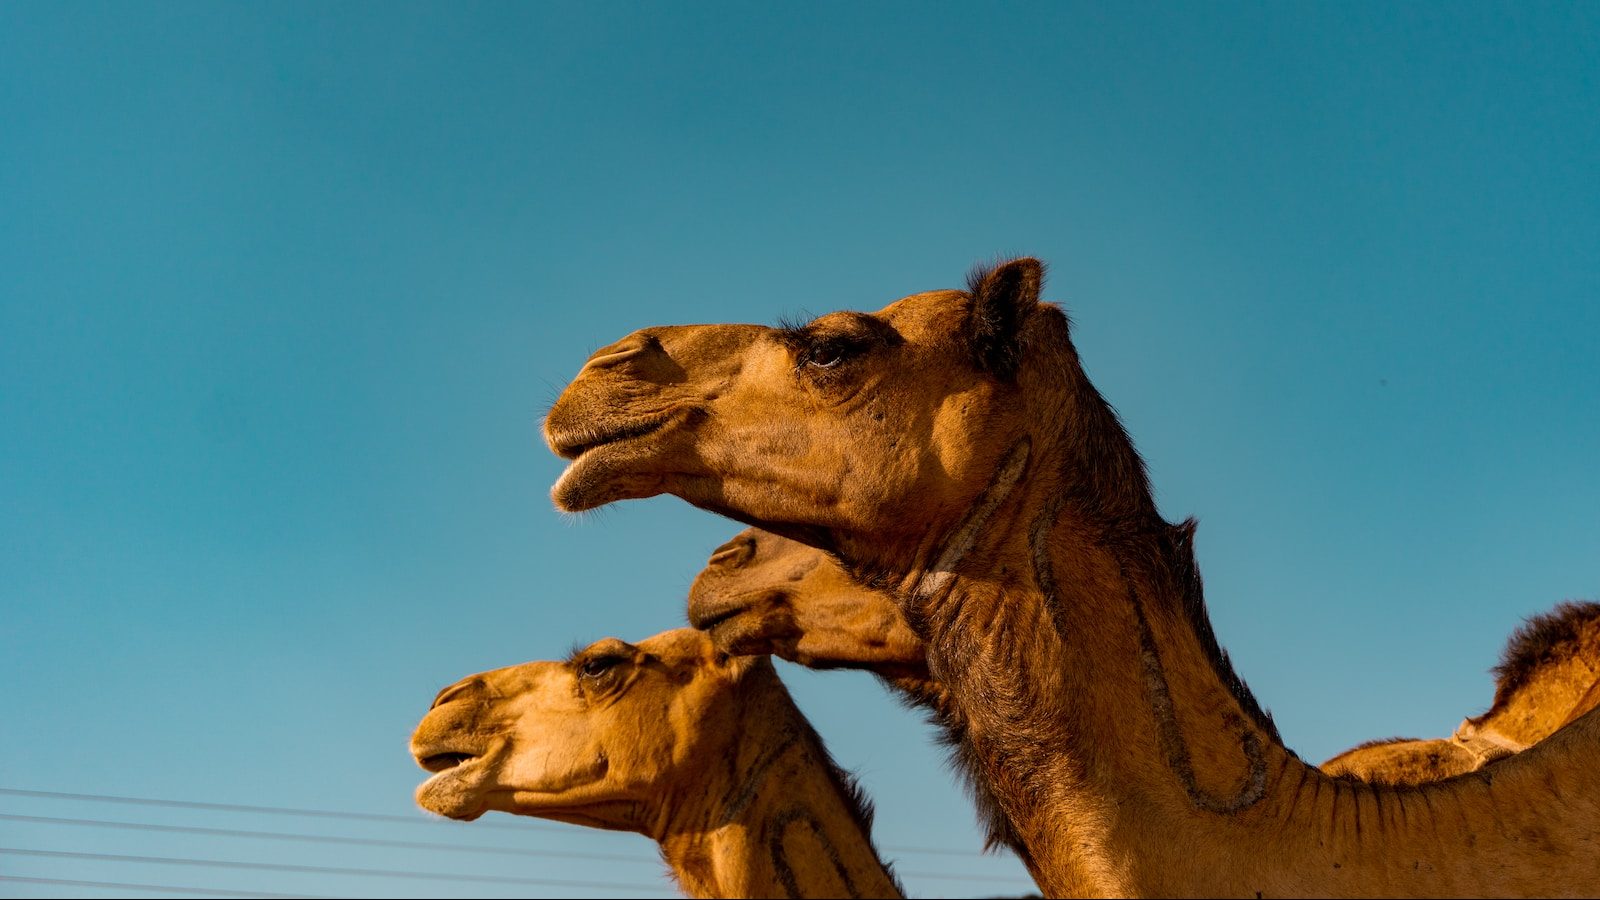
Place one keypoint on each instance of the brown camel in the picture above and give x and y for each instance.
(761, 593)
(764, 594)
(1549, 675)
(705, 753)
(951, 449)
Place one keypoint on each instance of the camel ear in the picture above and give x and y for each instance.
(1002, 297)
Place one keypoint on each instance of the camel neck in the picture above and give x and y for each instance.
(1111, 732)
(784, 824)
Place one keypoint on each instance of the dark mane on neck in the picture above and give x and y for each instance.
(1539, 641)
(1179, 550)
(1106, 482)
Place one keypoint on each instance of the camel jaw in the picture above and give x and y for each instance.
(458, 785)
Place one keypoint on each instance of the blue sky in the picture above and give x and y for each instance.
(284, 290)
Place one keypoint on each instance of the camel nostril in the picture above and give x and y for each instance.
(456, 690)
(632, 346)
(734, 553)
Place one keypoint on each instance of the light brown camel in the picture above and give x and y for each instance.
(761, 593)
(704, 753)
(1549, 675)
(764, 594)
(951, 449)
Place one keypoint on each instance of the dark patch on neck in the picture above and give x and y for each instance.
(1158, 692)
(797, 733)
(738, 799)
(780, 859)
(1539, 641)
(1171, 736)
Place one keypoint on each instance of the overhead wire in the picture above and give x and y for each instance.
(329, 870)
(409, 845)
(323, 838)
(390, 819)
(153, 888)
(368, 816)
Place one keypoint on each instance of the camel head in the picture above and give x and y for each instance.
(762, 593)
(883, 427)
(606, 737)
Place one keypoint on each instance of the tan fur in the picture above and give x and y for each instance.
(760, 593)
(951, 449)
(705, 754)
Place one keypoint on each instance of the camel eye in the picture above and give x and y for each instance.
(828, 354)
(596, 666)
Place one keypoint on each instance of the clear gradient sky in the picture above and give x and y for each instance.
(284, 290)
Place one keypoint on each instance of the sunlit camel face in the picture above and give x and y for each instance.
(590, 739)
(762, 593)
(865, 422)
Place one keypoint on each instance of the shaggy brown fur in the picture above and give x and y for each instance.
(1546, 639)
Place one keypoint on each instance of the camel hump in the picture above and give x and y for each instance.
(1573, 627)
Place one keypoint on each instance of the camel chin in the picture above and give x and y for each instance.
(458, 792)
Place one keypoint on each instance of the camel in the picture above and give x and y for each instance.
(761, 593)
(704, 753)
(1548, 676)
(950, 449)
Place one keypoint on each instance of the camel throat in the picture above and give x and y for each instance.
(938, 579)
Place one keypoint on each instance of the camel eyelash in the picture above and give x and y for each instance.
(812, 346)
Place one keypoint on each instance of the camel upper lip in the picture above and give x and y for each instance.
(708, 616)
(573, 443)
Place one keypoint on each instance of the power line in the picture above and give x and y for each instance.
(272, 810)
(157, 888)
(362, 816)
(414, 845)
(323, 839)
(327, 870)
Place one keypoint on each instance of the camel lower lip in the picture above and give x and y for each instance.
(610, 470)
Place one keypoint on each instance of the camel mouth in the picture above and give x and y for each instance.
(575, 443)
(443, 762)
(707, 620)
